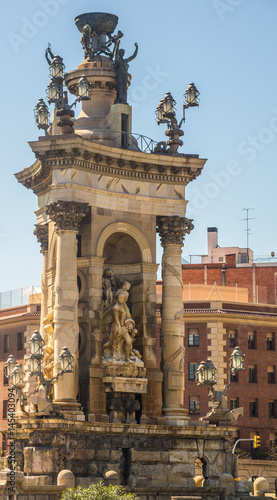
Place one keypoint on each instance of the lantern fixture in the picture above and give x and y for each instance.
(41, 114)
(191, 96)
(57, 67)
(35, 365)
(10, 366)
(206, 374)
(83, 89)
(54, 92)
(36, 345)
(17, 376)
(66, 360)
(237, 361)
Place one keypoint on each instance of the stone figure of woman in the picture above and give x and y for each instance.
(121, 66)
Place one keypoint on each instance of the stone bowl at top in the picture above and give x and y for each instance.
(100, 22)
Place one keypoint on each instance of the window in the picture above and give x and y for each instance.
(6, 343)
(234, 378)
(272, 409)
(270, 341)
(193, 337)
(252, 340)
(253, 408)
(271, 374)
(220, 259)
(233, 338)
(193, 367)
(20, 341)
(194, 404)
(234, 403)
(5, 379)
(253, 374)
(5, 409)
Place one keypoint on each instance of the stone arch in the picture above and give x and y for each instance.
(127, 229)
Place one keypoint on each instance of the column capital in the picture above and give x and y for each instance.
(172, 229)
(66, 215)
(41, 232)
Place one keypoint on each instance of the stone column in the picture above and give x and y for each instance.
(67, 216)
(172, 231)
(41, 232)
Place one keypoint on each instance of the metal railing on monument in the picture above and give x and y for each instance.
(135, 142)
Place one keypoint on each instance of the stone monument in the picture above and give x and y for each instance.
(100, 204)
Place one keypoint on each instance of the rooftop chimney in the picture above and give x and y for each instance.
(212, 238)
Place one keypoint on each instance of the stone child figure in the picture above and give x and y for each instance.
(109, 287)
(121, 66)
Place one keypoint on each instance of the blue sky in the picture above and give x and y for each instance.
(226, 47)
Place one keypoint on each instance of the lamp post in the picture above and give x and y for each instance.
(56, 95)
(206, 376)
(14, 372)
(166, 113)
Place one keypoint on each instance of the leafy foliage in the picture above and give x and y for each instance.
(98, 492)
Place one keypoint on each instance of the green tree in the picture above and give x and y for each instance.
(98, 492)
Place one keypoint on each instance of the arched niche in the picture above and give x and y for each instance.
(120, 248)
(126, 241)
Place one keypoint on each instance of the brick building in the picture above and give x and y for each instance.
(16, 326)
(230, 300)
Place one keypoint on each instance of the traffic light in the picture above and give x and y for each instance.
(257, 441)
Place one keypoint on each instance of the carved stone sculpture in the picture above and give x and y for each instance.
(67, 215)
(109, 287)
(173, 229)
(48, 359)
(121, 326)
(122, 66)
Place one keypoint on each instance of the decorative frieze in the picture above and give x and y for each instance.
(173, 229)
(41, 232)
(67, 215)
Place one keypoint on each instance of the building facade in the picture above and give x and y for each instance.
(17, 324)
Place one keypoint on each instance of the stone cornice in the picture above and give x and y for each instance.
(74, 152)
(211, 316)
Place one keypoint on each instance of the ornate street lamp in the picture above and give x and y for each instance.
(56, 95)
(165, 113)
(206, 376)
(14, 372)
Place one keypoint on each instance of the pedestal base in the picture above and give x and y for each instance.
(176, 416)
